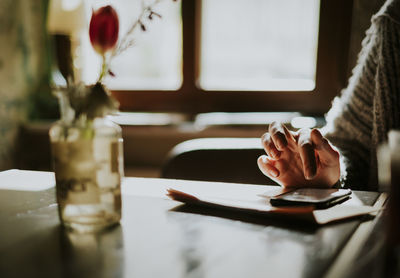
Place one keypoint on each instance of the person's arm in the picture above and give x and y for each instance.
(369, 107)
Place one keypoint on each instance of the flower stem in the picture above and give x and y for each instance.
(104, 68)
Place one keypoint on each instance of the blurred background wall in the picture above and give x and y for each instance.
(24, 69)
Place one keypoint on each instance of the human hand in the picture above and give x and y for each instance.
(298, 159)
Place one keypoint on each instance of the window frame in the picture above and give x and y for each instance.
(331, 73)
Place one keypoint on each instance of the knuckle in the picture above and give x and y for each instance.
(325, 141)
(336, 154)
(281, 166)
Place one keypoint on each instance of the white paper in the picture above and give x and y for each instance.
(261, 205)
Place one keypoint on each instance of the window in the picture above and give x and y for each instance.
(258, 45)
(244, 55)
(155, 60)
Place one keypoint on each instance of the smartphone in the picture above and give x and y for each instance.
(318, 197)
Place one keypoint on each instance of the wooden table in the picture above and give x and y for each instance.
(159, 237)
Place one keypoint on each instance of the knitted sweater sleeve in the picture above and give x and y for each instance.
(360, 118)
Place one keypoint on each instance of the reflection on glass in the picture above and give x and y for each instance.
(155, 60)
(259, 44)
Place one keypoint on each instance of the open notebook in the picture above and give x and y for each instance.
(260, 205)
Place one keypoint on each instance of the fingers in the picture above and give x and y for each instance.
(325, 151)
(266, 167)
(277, 139)
(279, 135)
(307, 154)
(269, 146)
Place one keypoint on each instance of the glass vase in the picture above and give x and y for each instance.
(88, 164)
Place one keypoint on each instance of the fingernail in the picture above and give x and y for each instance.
(264, 159)
(273, 173)
(309, 175)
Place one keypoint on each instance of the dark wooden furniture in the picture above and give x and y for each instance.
(216, 159)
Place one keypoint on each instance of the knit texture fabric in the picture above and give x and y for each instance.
(369, 107)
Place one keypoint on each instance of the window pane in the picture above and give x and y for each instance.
(155, 60)
(260, 45)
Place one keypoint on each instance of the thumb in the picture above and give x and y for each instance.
(327, 154)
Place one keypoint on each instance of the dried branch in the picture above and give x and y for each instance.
(127, 41)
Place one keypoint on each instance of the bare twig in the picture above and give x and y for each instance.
(127, 41)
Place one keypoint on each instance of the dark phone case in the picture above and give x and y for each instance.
(319, 205)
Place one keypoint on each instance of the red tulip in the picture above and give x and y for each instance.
(103, 29)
